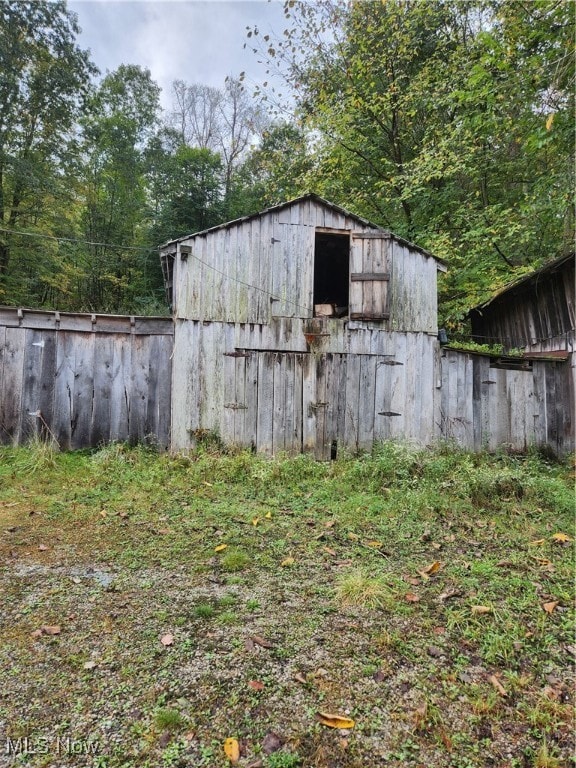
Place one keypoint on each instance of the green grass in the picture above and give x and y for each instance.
(350, 586)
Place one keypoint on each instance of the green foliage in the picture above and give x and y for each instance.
(448, 123)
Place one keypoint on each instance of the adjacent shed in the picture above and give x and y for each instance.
(536, 314)
(302, 328)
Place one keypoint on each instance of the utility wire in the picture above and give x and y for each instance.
(494, 340)
(77, 240)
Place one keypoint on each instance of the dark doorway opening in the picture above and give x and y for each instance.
(331, 274)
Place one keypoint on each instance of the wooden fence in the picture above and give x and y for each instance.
(87, 379)
(485, 403)
(92, 379)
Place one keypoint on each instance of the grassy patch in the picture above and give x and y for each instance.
(425, 594)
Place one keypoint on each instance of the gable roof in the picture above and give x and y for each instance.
(317, 199)
(523, 283)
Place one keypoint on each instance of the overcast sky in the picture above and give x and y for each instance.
(199, 41)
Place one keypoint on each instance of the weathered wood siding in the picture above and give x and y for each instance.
(537, 313)
(266, 387)
(89, 379)
(263, 268)
(481, 406)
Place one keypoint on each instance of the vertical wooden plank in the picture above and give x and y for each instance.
(552, 431)
(280, 404)
(397, 404)
(264, 435)
(31, 382)
(163, 397)
(290, 409)
(120, 388)
(320, 407)
(140, 365)
(251, 394)
(539, 403)
(341, 407)
(11, 406)
(296, 443)
(152, 404)
(352, 402)
(101, 422)
(233, 384)
(308, 400)
(427, 390)
(367, 399)
(83, 395)
(3, 394)
(448, 362)
(333, 362)
(48, 378)
(356, 266)
(63, 389)
(381, 397)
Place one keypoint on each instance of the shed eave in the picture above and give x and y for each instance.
(549, 267)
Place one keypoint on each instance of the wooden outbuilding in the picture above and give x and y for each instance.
(302, 328)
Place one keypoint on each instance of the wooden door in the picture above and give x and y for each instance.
(369, 276)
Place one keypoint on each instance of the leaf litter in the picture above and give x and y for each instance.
(277, 661)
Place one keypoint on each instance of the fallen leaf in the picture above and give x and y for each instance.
(232, 750)
(561, 538)
(89, 665)
(549, 607)
(329, 523)
(36, 633)
(411, 597)
(431, 569)
(412, 580)
(271, 743)
(51, 629)
(334, 721)
(163, 531)
(167, 640)
(268, 515)
(220, 547)
(498, 685)
(379, 676)
(256, 685)
(42, 547)
(449, 594)
(287, 561)
(262, 642)
(434, 651)
(439, 630)
(374, 544)
(103, 513)
(479, 610)
(353, 537)
(537, 543)
(330, 551)
(255, 520)
(300, 678)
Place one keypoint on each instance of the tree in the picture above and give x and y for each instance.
(225, 121)
(44, 80)
(192, 192)
(123, 118)
(447, 122)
